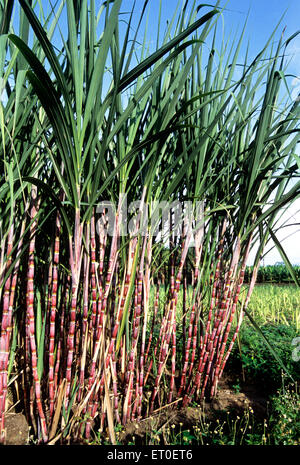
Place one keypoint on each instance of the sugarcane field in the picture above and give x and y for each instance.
(149, 224)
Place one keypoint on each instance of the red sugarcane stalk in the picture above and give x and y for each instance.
(173, 358)
(53, 313)
(162, 358)
(250, 290)
(60, 346)
(186, 351)
(31, 409)
(219, 315)
(95, 304)
(132, 355)
(86, 268)
(128, 397)
(167, 327)
(131, 253)
(161, 331)
(123, 297)
(136, 315)
(2, 264)
(6, 289)
(30, 314)
(27, 381)
(121, 306)
(75, 264)
(161, 363)
(184, 312)
(204, 352)
(115, 388)
(95, 398)
(170, 326)
(197, 303)
(124, 293)
(193, 326)
(195, 334)
(101, 323)
(173, 326)
(10, 309)
(4, 350)
(84, 335)
(225, 307)
(192, 330)
(198, 241)
(97, 318)
(49, 297)
(134, 410)
(146, 310)
(232, 297)
(229, 279)
(185, 344)
(173, 362)
(172, 258)
(235, 301)
(160, 338)
(95, 281)
(156, 305)
(109, 276)
(93, 269)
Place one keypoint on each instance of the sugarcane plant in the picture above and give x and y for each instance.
(122, 166)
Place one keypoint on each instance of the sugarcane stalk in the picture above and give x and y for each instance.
(133, 351)
(155, 310)
(59, 370)
(30, 312)
(219, 316)
(242, 313)
(84, 328)
(204, 350)
(4, 348)
(100, 334)
(75, 264)
(146, 287)
(169, 326)
(53, 311)
(228, 327)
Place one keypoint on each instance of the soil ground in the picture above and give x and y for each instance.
(227, 399)
(17, 431)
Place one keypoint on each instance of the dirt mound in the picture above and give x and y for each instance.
(16, 429)
(227, 399)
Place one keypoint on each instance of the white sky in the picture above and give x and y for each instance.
(288, 236)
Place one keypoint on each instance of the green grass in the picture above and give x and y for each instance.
(278, 304)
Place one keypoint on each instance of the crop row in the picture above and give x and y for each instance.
(277, 273)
